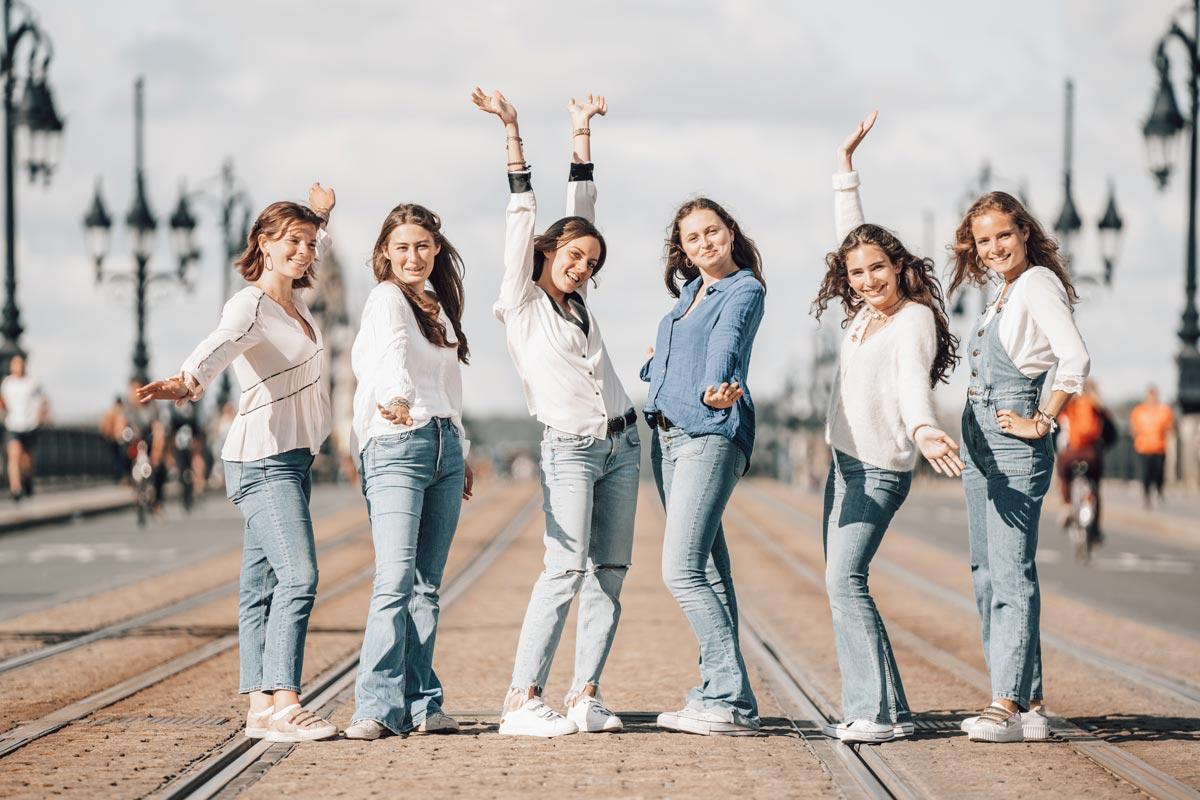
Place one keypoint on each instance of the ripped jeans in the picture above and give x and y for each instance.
(589, 491)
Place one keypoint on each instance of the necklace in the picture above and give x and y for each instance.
(871, 315)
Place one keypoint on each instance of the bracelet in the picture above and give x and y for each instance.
(1051, 422)
(583, 131)
(516, 163)
(516, 139)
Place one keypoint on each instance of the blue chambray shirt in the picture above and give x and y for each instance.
(711, 346)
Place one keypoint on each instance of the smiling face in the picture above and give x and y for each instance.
(706, 241)
(572, 264)
(292, 253)
(873, 276)
(411, 250)
(1000, 243)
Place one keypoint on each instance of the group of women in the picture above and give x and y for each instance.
(412, 447)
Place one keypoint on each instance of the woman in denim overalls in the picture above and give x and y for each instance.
(1024, 332)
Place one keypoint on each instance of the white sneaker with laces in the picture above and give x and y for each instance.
(366, 729)
(863, 731)
(591, 716)
(708, 722)
(997, 724)
(535, 718)
(438, 722)
(1034, 725)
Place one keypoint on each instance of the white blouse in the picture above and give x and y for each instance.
(393, 360)
(568, 380)
(283, 405)
(1037, 328)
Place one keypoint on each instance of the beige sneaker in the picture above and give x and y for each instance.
(296, 724)
(366, 729)
(258, 723)
(438, 722)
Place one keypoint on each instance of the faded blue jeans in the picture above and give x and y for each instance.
(589, 494)
(413, 482)
(695, 477)
(860, 501)
(279, 567)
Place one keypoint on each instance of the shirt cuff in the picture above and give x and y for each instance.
(520, 182)
(845, 181)
(581, 172)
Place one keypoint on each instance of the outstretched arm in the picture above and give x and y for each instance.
(581, 190)
(847, 204)
(496, 103)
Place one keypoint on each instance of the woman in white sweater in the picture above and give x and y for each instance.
(407, 358)
(268, 335)
(897, 348)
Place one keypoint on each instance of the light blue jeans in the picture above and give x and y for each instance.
(413, 483)
(279, 567)
(860, 501)
(589, 494)
(1006, 479)
(695, 478)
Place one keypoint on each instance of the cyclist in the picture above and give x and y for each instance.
(1087, 429)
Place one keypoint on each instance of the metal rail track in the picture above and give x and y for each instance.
(243, 761)
(1122, 764)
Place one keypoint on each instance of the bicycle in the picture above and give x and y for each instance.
(1083, 521)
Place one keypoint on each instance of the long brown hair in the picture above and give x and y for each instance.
(446, 277)
(1040, 249)
(567, 229)
(916, 282)
(679, 270)
(273, 223)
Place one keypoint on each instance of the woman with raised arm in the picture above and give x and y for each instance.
(1027, 329)
(407, 358)
(590, 448)
(273, 342)
(702, 418)
(897, 348)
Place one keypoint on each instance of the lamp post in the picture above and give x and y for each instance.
(37, 115)
(1163, 131)
(142, 226)
(233, 204)
(1068, 225)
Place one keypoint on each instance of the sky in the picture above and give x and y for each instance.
(743, 101)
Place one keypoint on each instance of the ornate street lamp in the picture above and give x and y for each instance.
(1162, 130)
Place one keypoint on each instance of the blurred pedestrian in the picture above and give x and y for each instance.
(881, 418)
(1026, 329)
(26, 409)
(1087, 429)
(112, 425)
(1151, 423)
(273, 342)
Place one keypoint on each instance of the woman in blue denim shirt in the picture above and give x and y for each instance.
(702, 416)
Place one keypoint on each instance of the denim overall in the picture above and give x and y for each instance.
(1005, 480)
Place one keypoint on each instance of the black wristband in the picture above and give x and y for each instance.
(581, 172)
(520, 182)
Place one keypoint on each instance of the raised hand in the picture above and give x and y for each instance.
(495, 103)
(940, 451)
(321, 200)
(396, 413)
(167, 389)
(582, 111)
(722, 396)
(846, 150)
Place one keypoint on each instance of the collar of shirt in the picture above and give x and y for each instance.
(576, 301)
(688, 293)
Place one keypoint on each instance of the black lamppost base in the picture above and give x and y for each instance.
(1189, 379)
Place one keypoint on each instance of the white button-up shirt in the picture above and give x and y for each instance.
(392, 360)
(569, 382)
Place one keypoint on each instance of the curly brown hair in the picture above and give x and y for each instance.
(1040, 249)
(916, 282)
(679, 270)
(446, 277)
(274, 223)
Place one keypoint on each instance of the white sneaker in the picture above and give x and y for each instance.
(1034, 725)
(864, 731)
(590, 716)
(366, 729)
(535, 718)
(258, 722)
(997, 724)
(438, 722)
(903, 730)
(296, 724)
(708, 722)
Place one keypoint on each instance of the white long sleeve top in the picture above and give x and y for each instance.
(882, 392)
(283, 405)
(567, 377)
(392, 360)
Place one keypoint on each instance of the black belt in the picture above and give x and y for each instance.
(619, 424)
(662, 423)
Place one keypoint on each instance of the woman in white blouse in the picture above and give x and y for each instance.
(412, 450)
(268, 335)
(590, 448)
(897, 348)
(1026, 330)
